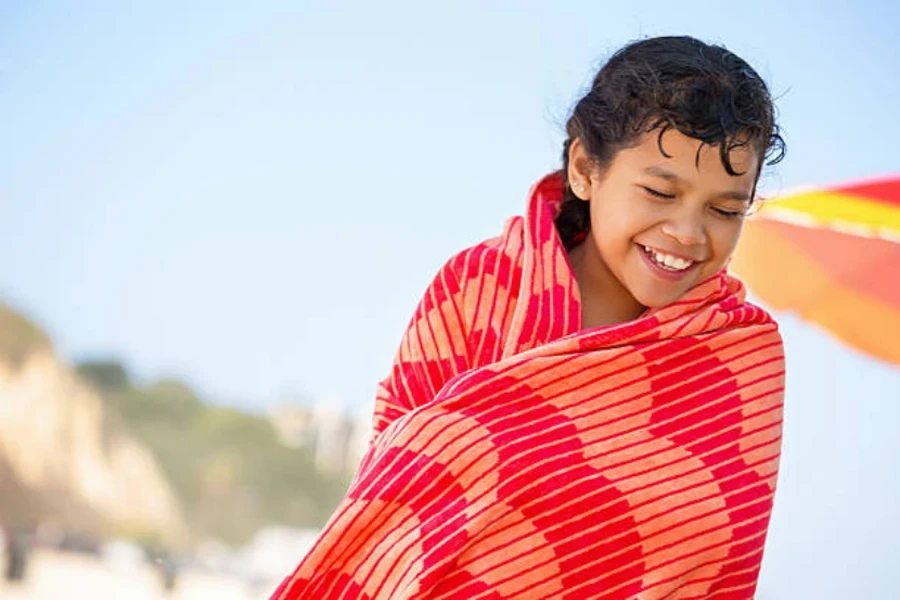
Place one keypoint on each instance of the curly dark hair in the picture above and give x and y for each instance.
(704, 91)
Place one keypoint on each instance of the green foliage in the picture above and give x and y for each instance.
(227, 467)
(107, 376)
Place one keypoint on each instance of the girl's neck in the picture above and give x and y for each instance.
(604, 300)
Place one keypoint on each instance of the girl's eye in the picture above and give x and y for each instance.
(729, 214)
(653, 192)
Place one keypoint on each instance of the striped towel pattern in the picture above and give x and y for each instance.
(516, 456)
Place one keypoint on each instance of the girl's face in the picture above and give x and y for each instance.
(661, 224)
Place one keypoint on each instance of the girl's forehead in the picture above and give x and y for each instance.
(689, 156)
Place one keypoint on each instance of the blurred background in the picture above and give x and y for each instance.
(216, 219)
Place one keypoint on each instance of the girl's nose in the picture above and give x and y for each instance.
(687, 231)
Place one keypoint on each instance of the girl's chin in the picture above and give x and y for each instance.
(660, 298)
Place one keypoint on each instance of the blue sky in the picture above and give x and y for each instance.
(253, 197)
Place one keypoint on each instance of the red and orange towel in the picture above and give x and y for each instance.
(516, 456)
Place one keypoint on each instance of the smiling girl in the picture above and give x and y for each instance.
(665, 215)
(586, 406)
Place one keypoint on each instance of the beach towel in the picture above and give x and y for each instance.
(518, 456)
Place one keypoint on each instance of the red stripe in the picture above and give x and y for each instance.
(883, 190)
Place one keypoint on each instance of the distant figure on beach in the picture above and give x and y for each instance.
(18, 546)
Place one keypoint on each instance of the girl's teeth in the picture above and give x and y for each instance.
(670, 261)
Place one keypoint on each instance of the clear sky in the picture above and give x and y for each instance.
(252, 196)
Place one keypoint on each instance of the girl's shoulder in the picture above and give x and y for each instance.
(499, 257)
(486, 281)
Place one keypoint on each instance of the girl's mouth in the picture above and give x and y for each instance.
(666, 266)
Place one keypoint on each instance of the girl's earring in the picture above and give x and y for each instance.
(577, 187)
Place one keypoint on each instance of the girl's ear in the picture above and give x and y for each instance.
(579, 170)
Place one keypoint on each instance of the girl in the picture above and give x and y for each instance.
(586, 406)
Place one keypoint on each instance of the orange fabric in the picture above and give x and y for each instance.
(516, 456)
(837, 260)
(839, 281)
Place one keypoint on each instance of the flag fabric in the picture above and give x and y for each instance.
(832, 256)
